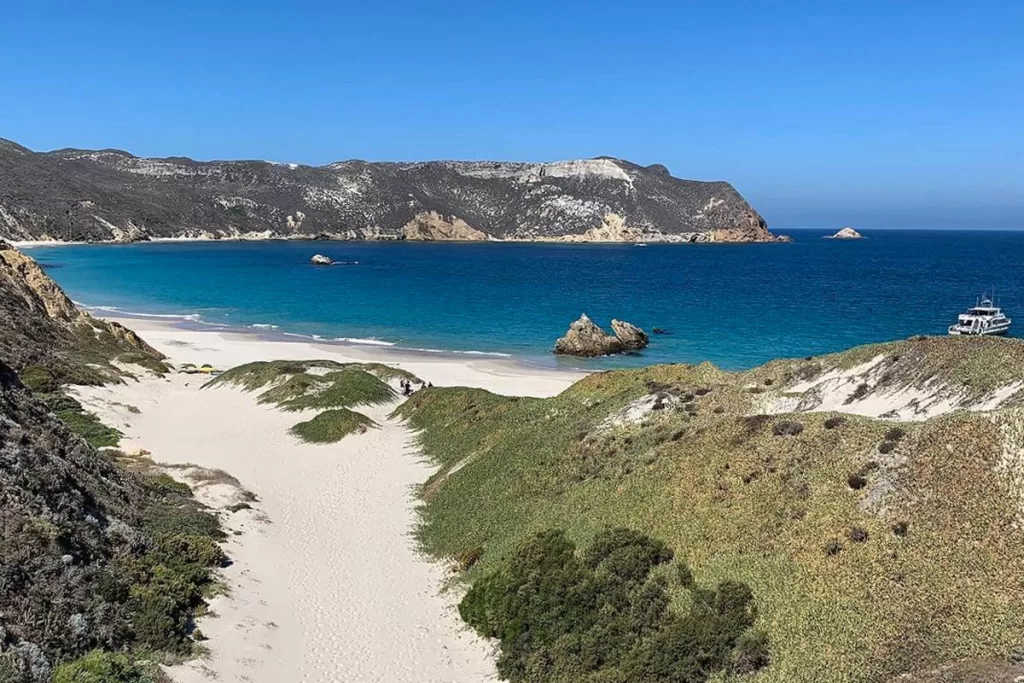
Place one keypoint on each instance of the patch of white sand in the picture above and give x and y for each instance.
(327, 584)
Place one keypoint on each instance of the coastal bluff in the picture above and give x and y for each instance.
(75, 195)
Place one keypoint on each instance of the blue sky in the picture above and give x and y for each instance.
(877, 114)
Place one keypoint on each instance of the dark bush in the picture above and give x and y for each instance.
(164, 484)
(751, 653)
(886, 447)
(900, 528)
(703, 391)
(833, 547)
(769, 381)
(787, 428)
(860, 392)
(601, 616)
(857, 534)
(718, 410)
(467, 558)
(894, 434)
(835, 422)
(685, 575)
(856, 482)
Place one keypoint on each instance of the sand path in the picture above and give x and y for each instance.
(326, 585)
(329, 587)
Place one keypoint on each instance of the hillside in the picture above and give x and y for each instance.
(81, 195)
(46, 339)
(101, 569)
(873, 547)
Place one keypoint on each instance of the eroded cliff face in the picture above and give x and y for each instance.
(40, 326)
(431, 226)
(110, 195)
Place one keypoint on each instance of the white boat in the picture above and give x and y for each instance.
(985, 318)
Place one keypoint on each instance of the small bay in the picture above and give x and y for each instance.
(734, 305)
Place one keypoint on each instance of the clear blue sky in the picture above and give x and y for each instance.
(875, 113)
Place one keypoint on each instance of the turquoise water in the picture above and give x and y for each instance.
(735, 305)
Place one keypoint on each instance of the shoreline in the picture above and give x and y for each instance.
(327, 581)
(225, 347)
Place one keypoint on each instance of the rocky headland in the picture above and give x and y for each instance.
(112, 196)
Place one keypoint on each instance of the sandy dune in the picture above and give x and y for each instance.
(326, 583)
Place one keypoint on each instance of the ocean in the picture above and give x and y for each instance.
(734, 305)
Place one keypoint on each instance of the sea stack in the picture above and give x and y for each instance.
(586, 339)
(847, 233)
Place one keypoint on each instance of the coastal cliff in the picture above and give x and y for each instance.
(112, 196)
(43, 334)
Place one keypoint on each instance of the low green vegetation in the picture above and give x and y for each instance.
(869, 550)
(606, 615)
(327, 386)
(108, 667)
(145, 360)
(332, 426)
(342, 389)
(80, 421)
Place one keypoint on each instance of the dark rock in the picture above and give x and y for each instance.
(659, 330)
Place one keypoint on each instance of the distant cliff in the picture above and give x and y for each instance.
(110, 195)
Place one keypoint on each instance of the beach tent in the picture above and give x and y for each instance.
(188, 368)
(207, 368)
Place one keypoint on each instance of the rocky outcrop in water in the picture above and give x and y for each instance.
(321, 260)
(631, 336)
(110, 195)
(847, 233)
(586, 339)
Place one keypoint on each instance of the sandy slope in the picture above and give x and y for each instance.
(326, 584)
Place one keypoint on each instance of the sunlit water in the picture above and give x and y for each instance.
(735, 305)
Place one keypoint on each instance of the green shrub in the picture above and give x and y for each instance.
(602, 616)
(343, 389)
(39, 379)
(104, 667)
(89, 427)
(164, 484)
(332, 426)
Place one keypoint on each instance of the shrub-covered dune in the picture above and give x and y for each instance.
(872, 547)
(324, 385)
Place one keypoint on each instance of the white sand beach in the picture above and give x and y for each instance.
(327, 584)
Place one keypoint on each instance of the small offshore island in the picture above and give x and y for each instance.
(848, 517)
